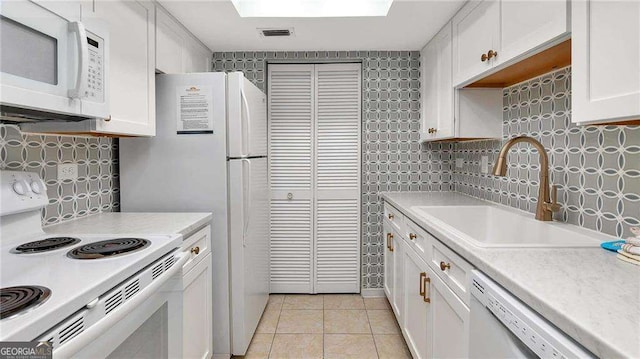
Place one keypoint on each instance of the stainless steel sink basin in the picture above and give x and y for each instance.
(493, 226)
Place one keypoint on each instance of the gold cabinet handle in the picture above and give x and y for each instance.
(491, 54)
(423, 276)
(412, 236)
(426, 298)
(108, 118)
(195, 250)
(390, 216)
(444, 266)
(432, 130)
(390, 241)
(483, 58)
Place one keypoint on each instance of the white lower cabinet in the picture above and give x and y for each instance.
(388, 260)
(392, 268)
(417, 311)
(397, 303)
(197, 319)
(433, 318)
(197, 292)
(449, 321)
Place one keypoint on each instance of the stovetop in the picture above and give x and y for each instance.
(73, 283)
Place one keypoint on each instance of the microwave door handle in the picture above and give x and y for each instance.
(245, 105)
(83, 59)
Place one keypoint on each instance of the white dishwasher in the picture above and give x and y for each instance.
(501, 326)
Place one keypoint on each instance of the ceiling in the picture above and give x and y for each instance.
(408, 26)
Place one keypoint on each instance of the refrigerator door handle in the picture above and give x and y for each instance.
(247, 201)
(245, 107)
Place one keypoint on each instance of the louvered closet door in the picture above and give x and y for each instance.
(337, 178)
(314, 151)
(291, 111)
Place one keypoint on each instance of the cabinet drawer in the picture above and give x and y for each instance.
(394, 217)
(454, 271)
(199, 245)
(418, 239)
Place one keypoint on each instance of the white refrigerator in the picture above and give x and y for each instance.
(210, 155)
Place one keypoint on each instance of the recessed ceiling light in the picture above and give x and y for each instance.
(312, 8)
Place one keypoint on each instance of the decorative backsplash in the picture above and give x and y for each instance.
(597, 168)
(95, 190)
(392, 157)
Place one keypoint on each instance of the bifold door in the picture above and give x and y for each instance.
(314, 149)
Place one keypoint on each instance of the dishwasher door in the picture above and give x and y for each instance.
(501, 326)
(489, 338)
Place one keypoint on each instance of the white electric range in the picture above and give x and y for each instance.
(87, 294)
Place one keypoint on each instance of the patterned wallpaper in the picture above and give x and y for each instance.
(597, 168)
(393, 159)
(97, 187)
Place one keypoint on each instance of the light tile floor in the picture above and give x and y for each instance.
(327, 326)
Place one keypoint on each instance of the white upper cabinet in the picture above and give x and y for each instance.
(606, 61)
(449, 113)
(177, 50)
(437, 88)
(489, 35)
(132, 65)
(476, 31)
(526, 25)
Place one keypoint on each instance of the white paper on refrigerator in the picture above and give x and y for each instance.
(195, 109)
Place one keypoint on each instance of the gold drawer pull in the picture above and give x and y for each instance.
(432, 130)
(390, 216)
(195, 250)
(424, 294)
(444, 266)
(390, 241)
(483, 58)
(412, 236)
(423, 276)
(491, 54)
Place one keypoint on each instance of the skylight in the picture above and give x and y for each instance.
(312, 8)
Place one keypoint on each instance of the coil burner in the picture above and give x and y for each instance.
(18, 300)
(108, 248)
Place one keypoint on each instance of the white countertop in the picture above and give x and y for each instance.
(586, 292)
(133, 223)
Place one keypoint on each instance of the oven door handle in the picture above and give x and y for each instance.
(85, 338)
(82, 72)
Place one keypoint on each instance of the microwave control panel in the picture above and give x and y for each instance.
(95, 81)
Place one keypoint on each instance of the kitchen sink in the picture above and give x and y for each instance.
(493, 226)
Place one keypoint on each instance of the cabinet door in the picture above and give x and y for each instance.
(476, 30)
(416, 316)
(526, 25)
(397, 304)
(169, 44)
(388, 261)
(196, 58)
(437, 88)
(197, 317)
(449, 320)
(132, 66)
(606, 61)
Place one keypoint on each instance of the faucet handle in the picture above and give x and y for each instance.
(554, 206)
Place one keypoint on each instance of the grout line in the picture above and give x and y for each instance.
(372, 337)
(275, 331)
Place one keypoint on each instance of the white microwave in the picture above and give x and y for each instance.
(53, 66)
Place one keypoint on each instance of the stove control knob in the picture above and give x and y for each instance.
(20, 188)
(36, 187)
